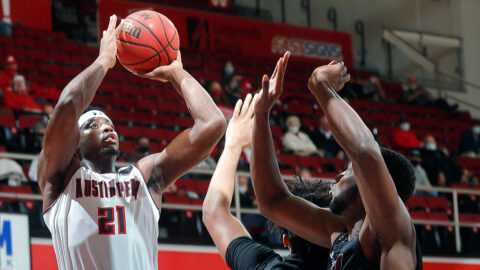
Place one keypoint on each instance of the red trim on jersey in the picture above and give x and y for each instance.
(69, 179)
(145, 180)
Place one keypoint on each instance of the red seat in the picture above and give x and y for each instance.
(416, 202)
(155, 133)
(188, 184)
(28, 121)
(439, 203)
(466, 217)
(202, 186)
(309, 162)
(418, 215)
(289, 161)
(127, 146)
(437, 216)
(176, 200)
(7, 120)
(126, 131)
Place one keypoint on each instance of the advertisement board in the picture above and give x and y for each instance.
(218, 33)
(14, 242)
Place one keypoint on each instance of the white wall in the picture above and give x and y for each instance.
(447, 17)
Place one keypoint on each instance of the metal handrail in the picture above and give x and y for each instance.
(238, 210)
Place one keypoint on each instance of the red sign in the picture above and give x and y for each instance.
(223, 4)
(238, 36)
(173, 257)
(29, 13)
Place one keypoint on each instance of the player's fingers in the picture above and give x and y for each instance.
(286, 57)
(276, 67)
(265, 85)
(112, 23)
(104, 33)
(238, 106)
(251, 108)
(246, 104)
(119, 27)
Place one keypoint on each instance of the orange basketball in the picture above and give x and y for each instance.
(148, 40)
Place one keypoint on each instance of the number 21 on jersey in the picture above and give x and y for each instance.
(106, 220)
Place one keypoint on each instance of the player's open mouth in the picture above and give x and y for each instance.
(110, 138)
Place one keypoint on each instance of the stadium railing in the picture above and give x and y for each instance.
(238, 210)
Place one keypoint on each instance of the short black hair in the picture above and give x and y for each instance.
(316, 192)
(402, 172)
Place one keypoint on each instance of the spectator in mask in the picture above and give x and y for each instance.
(297, 141)
(143, 149)
(41, 127)
(417, 95)
(372, 89)
(440, 168)
(9, 71)
(245, 88)
(11, 172)
(16, 97)
(218, 95)
(231, 82)
(421, 178)
(403, 137)
(469, 144)
(323, 139)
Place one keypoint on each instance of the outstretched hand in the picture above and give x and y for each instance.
(108, 44)
(239, 130)
(163, 73)
(272, 87)
(333, 75)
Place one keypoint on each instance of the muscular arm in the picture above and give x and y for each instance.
(62, 134)
(275, 200)
(221, 224)
(385, 211)
(194, 144)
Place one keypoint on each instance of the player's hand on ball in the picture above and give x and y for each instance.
(271, 87)
(163, 73)
(333, 75)
(239, 130)
(108, 45)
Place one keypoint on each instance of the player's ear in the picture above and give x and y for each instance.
(286, 242)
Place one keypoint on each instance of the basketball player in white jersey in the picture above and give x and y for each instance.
(101, 218)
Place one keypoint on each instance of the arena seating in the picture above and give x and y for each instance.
(140, 106)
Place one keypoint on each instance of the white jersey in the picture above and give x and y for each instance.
(105, 221)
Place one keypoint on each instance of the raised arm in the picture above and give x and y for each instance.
(385, 211)
(62, 134)
(275, 200)
(221, 224)
(194, 144)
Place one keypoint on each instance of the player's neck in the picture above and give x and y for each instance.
(100, 166)
(354, 221)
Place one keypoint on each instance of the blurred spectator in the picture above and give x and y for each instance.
(440, 168)
(245, 88)
(218, 95)
(305, 173)
(324, 140)
(403, 137)
(11, 172)
(41, 127)
(468, 178)
(372, 89)
(297, 141)
(420, 174)
(5, 28)
(208, 164)
(469, 144)
(230, 83)
(9, 71)
(143, 149)
(417, 95)
(16, 97)
(246, 198)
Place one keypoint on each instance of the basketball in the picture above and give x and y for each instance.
(148, 40)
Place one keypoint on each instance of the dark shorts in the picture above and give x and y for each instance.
(244, 253)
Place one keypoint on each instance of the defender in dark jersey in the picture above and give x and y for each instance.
(231, 238)
(366, 201)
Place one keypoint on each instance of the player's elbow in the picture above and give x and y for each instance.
(212, 212)
(364, 149)
(217, 126)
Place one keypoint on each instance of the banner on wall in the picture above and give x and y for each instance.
(235, 35)
(28, 13)
(14, 242)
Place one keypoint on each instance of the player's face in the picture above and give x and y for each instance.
(344, 192)
(98, 136)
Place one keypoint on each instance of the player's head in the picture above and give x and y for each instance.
(316, 192)
(345, 193)
(98, 139)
